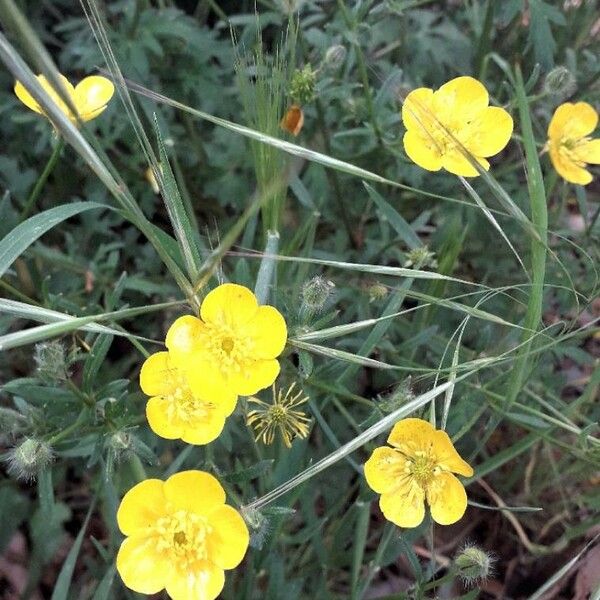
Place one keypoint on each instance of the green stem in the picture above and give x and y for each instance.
(264, 279)
(138, 468)
(539, 217)
(37, 190)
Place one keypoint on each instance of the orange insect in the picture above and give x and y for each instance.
(293, 120)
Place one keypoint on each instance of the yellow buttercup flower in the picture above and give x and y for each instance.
(571, 149)
(90, 96)
(418, 467)
(232, 348)
(174, 411)
(181, 536)
(445, 126)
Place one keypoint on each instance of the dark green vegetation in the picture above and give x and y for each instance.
(524, 336)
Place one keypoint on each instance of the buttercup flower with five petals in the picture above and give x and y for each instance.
(443, 127)
(416, 468)
(181, 536)
(90, 96)
(232, 348)
(569, 144)
(174, 411)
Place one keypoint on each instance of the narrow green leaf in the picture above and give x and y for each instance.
(395, 219)
(180, 220)
(42, 332)
(63, 583)
(23, 235)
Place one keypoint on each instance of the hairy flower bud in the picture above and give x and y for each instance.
(473, 564)
(560, 82)
(27, 459)
(399, 397)
(51, 362)
(334, 57)
(315, 294)
(420, 257)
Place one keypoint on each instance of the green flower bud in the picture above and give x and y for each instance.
(377, 291)
(51, 362)
(27, 459)
(302, 85)
(399, 397)
(334, 57)
(315, 294)
(420, 257)
(560, 82)
(259, 525)
(473, 564)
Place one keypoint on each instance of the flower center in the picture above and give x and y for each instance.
(182, 404)
(569, 149)
(226, 348)
(182, 536)
(227, 345)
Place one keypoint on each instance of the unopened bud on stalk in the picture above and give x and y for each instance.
(27, 459)
(259, 526)
(399, 397)
(334, 57)
(560, 82)
(420, 257)
(315, 294)
(473, 564)
(51, 362)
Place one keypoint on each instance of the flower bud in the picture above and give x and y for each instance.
(377, 291)
(473, 564)
(27, 459)
(334, 57)
(399, 397)
(302, 85)
(315, 294)
(560, 82)
(51, 362)
(420, 257)
(259, 525)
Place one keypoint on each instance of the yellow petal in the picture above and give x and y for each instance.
(155, 378)
(157, 413)
(384, 469)
(141, 566)
(403, 509)
(568, 169)
(183, 339)
(417, 109)
(205, 430)
(422, 150)
(27, 99)
(464, 98)
(204, 584)
(447, 456)
(257, 376)
(410, 435)
(589, 152)
(92, 95)
(229, 539)
(489, 133)
(447, 499)
(194, 491)
(229, 303)
(572, 121)
(268, 332)
(141, 506)
(457, 162)
(207, 381)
